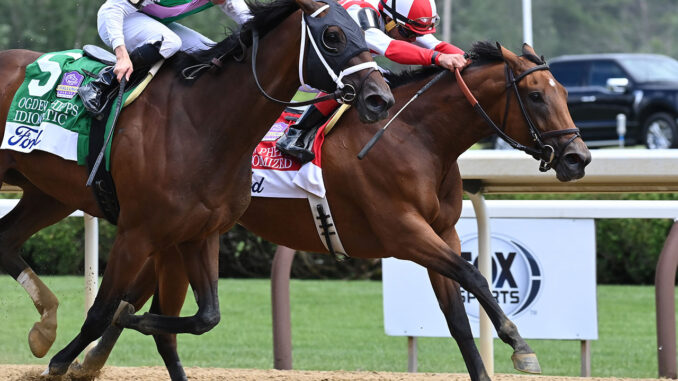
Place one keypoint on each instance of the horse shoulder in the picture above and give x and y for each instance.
(450, 194)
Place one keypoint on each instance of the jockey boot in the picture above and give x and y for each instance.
(298, 141)
(145, 56)
(97, 94)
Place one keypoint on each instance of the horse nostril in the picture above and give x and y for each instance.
(575, 159)
(572, 159)
(376, 103)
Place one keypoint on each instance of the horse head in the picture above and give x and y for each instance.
(539, 120)
(339, 61)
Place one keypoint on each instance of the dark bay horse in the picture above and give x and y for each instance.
(404, 199)
(181, 163)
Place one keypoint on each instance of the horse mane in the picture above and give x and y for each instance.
(406, 76)
(265, 17)
(481, 53)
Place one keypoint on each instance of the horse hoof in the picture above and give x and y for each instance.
(82, 371)
(124, 309)
(526, 362)
(40, 339)
(56, 369)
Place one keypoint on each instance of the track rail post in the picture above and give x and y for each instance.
(664, 288)
(280, 299)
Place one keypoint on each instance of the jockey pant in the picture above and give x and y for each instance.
(140, 29)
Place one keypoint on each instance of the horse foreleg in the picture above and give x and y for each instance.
(450, 301)
(449, 298)
(34, 211)
(127, 257)
(140, 292)
(168, 278)
(432, 252)
(168, 300)
(200, 260)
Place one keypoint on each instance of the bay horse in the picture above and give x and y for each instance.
(404, 199)
(180, 161)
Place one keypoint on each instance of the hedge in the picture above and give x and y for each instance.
(627, 249)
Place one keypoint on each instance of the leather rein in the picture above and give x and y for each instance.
(545, 152)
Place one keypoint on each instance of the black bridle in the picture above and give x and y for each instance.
(329, 63)
(544, 152)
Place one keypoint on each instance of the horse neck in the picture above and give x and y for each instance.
(446, 123)
(240, 115)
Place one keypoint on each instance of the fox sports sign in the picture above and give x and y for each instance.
(543, 277)
(517, 275)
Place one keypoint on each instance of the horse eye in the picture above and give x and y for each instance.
(536, 96)
(331, 40)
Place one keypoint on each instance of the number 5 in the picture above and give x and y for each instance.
(51, 67)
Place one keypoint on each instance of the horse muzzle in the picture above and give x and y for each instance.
(572, 163)
(374, 100)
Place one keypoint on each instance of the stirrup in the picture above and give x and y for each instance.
(296, 143)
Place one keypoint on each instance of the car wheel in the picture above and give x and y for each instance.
(501, 144)
(659, 131)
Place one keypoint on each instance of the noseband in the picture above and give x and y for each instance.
(545, 152)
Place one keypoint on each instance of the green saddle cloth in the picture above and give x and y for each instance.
(48, 100)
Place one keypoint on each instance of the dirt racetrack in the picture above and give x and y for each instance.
(110, 373)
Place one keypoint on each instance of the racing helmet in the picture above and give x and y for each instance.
(419, 16)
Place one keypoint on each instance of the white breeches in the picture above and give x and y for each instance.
(140, 29)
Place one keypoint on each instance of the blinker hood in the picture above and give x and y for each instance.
(355, 44)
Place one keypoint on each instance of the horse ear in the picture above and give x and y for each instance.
(527, 50)
(309, 6)
(500, 49)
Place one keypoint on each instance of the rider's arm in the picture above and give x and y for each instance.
(111, 16)
(237, 10)
(429, 41)
(380, 43)
(446, 54)
(401, 52)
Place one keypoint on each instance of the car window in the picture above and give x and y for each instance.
(652, 68)
(570, 74)
(601, 71)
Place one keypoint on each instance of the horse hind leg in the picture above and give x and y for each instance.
(34, 211)
(449, 298)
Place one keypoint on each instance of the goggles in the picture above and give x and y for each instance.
(424, 23)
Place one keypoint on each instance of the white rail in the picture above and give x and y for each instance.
(614, 170)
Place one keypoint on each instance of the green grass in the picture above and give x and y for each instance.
(336, 325)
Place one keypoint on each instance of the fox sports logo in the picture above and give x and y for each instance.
(516, 275)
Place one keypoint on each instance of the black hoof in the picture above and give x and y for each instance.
(124, 310)
(56, 369)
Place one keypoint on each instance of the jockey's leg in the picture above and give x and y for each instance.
(298, 141)
(147, 39)
(190, 39)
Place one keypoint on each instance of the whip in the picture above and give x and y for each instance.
(379, 133)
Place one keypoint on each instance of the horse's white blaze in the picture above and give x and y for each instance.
(552, 82)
